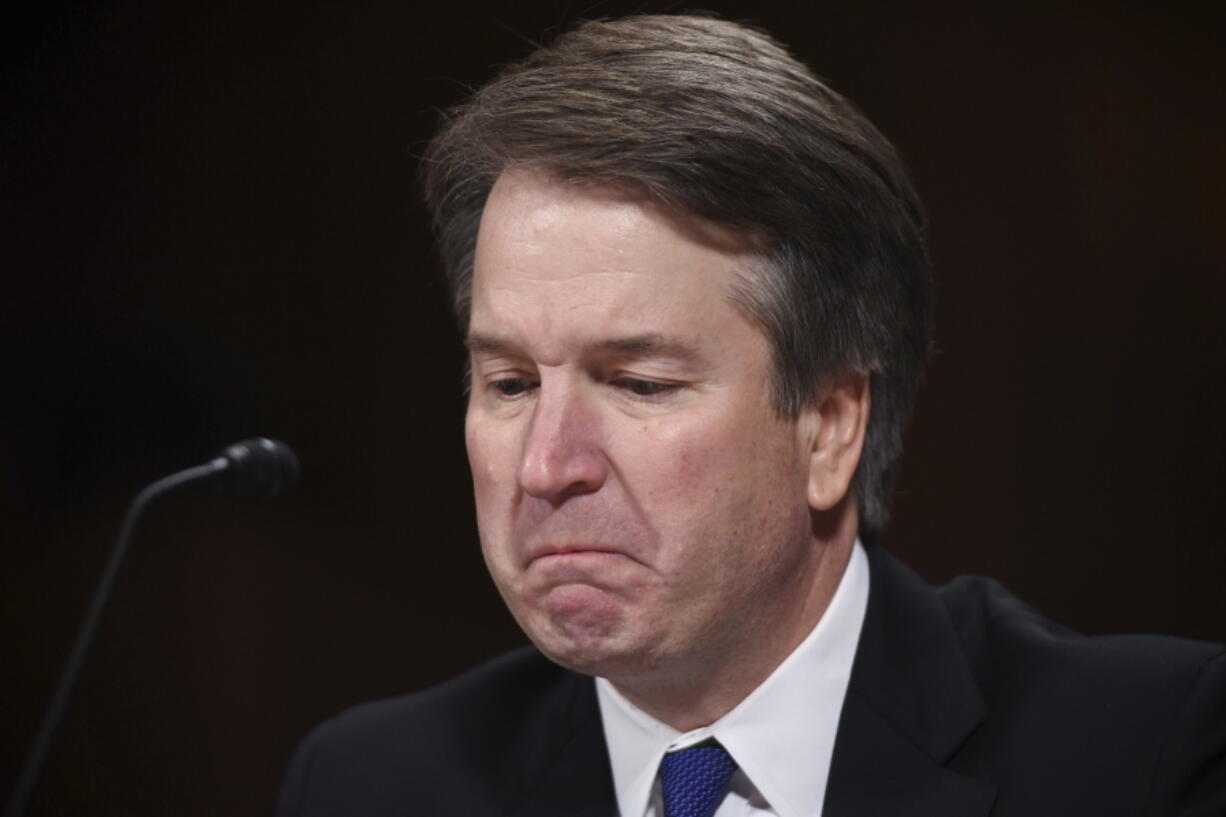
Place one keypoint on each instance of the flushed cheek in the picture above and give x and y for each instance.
(687, 472)
(713, 499)
(494, 532)
(493, 481)
(488, 454)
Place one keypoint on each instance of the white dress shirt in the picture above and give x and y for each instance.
(781, 735)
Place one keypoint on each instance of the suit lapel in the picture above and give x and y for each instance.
(571, 775)
(910, 703)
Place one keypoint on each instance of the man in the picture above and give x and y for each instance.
(695, 293)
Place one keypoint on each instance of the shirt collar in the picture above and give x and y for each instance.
(781, 735)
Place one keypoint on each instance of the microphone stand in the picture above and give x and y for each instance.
(19, 802)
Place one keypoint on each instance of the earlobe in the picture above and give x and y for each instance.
(837, 425)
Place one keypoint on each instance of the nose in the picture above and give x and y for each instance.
(562, 455)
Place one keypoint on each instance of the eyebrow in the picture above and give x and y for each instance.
(487, 344)
(650, 344)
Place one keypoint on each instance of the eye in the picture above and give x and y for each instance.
(644, 388)
(509, 387)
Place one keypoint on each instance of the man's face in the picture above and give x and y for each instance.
(642, 507)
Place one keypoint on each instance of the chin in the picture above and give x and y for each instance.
(614, 665)
(588, 645)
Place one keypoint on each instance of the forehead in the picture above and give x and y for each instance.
(580, 258)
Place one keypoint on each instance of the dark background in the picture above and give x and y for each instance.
(211, 229)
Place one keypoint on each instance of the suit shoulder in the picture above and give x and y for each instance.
(1142, 717)
(1017, 654)
(477, 730)
(479, 700)
(983, 607)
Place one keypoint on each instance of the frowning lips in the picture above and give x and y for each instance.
(545, 551)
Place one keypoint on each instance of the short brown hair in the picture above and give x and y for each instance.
(718, 120)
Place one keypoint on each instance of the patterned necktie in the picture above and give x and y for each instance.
(694, 780)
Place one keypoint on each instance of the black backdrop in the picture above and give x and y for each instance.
(211, 230)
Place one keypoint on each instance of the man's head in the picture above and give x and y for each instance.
(719, 121)
(682, 263)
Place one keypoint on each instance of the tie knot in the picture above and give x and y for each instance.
(694, 780)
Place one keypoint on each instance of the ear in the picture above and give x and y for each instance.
(836, 425)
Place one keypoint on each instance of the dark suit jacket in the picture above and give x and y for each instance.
(962, 703)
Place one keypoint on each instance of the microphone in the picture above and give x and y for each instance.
(258, 468)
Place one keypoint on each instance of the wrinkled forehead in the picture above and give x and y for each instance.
(557, 259)
(532, 216)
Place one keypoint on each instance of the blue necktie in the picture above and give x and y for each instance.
(694, 780)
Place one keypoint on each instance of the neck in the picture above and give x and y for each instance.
(705, 691)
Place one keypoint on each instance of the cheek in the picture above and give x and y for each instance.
(487, 461)
(485, 448)
(492, 464)
(721, 447)
(719, 483)
(689, 471)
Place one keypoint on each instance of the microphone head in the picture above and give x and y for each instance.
(258, 468)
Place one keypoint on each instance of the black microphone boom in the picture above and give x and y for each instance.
(258, 468)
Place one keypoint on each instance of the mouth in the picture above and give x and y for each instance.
(581, 565)
(579, 559)
(560, 553)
